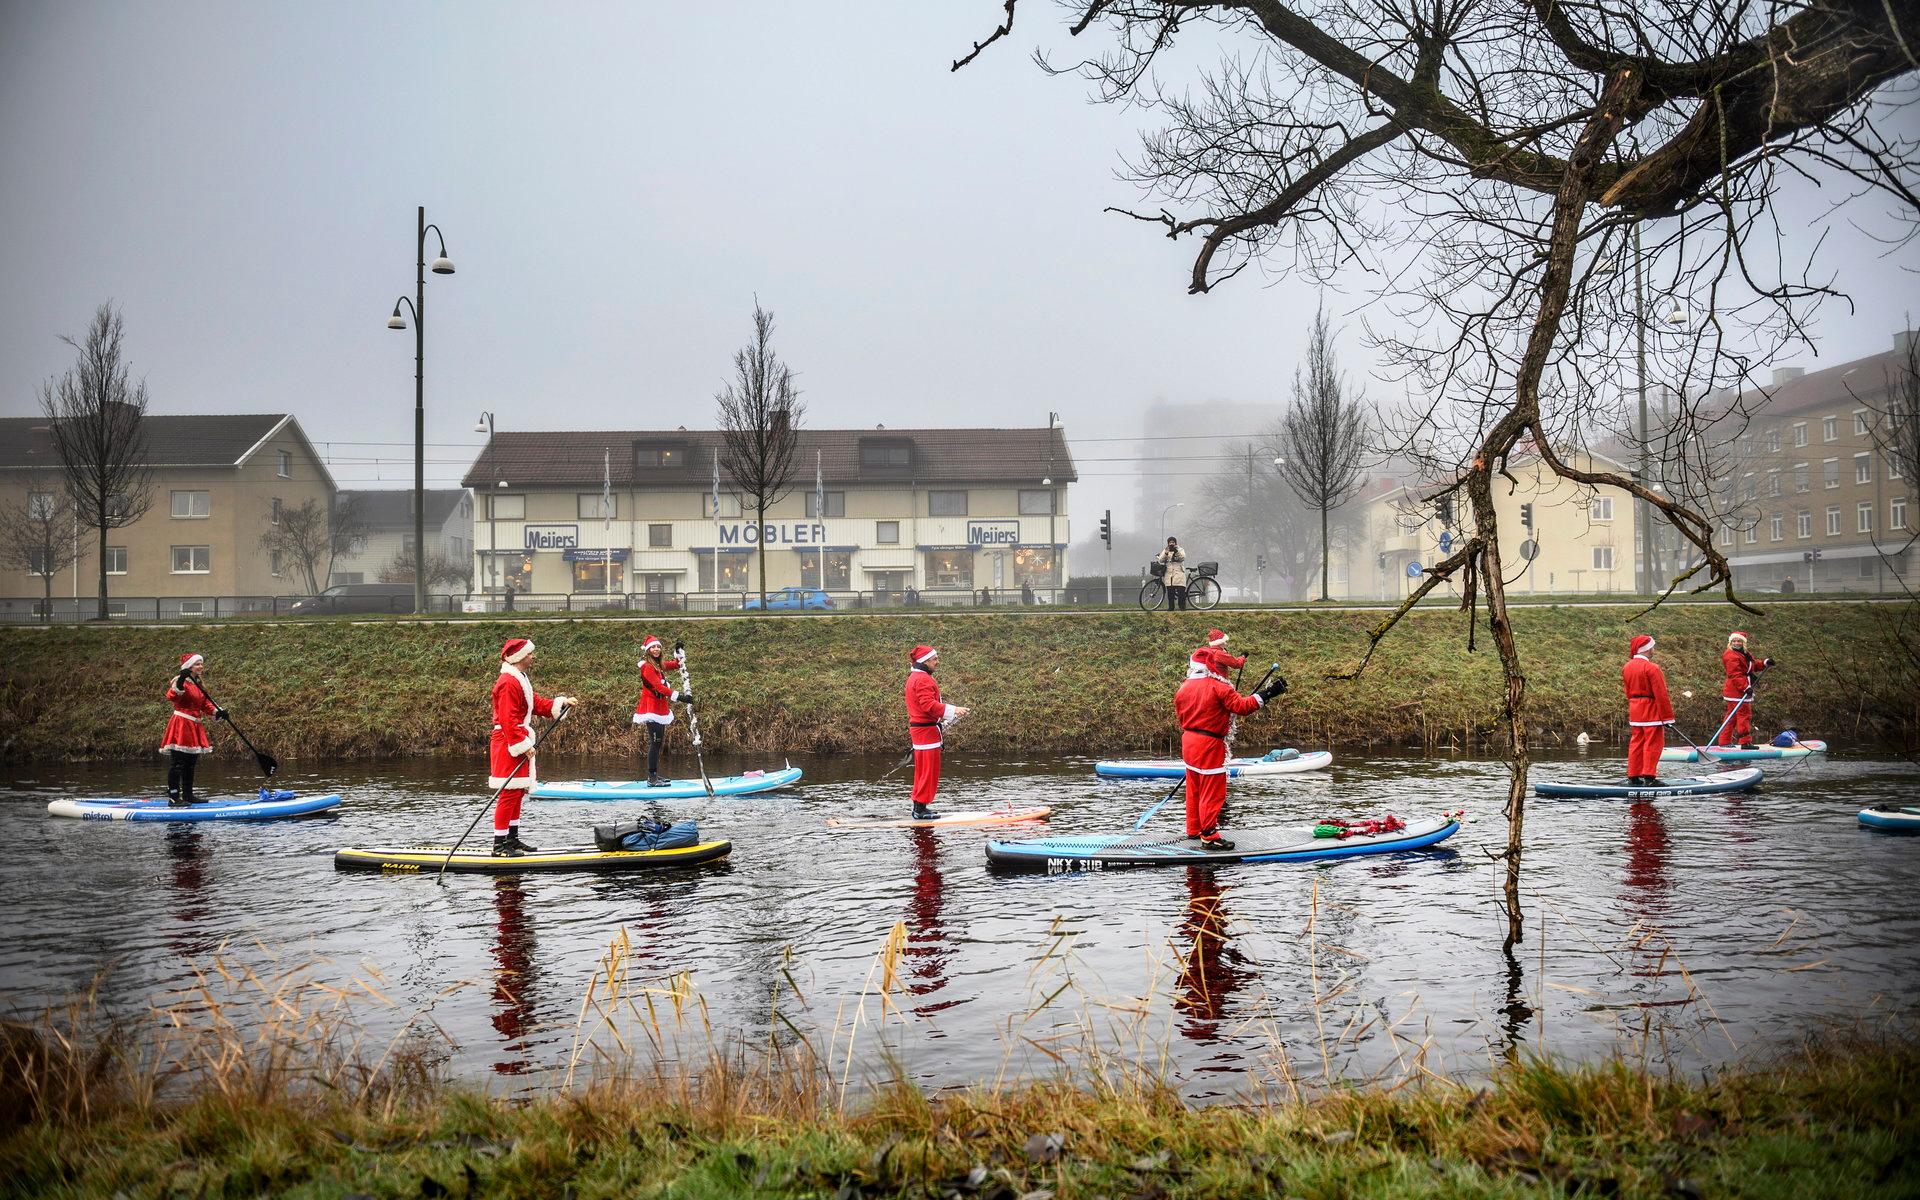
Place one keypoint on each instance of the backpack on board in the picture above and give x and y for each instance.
(647, 834)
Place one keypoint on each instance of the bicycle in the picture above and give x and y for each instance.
(1203, 590)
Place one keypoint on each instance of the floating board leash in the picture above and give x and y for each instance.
(693, 718)
(522, 761)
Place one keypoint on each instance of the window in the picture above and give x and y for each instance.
(1746, 445)
(1753, 533)
(1802, 478)
(1803, 524)
(1863, 517)
(37, 561)
(1773, 483)
(1033, 566)
(1829, 429)
(40, 506)
(191, 506)
(507, 508)
(116, 560)
(886, 454)
(729, 507)
(1863, 468)
(1830, 472)
(192, 560)
(735, 572)
(274, 563)
(1859, 422)
(947, 504)
(592, 577)
(1602, 508)
(1893, 466)
(1799, 433)
(1603, 558)
(283, 465)
(886, 533)
(516, 570)
(660, 537)
(1867, 568)
(1748, 488)
(195, 608)
(1726, 535)
(1833, 520)
(1776, 528)
(1037, 502)
(949, 568)
(839, 570)
(1773, 441)
(273, 514)
(594, 506)
(1897, 513)
(659, 456)
(836, 504)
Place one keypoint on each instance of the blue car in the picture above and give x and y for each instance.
(792, 599)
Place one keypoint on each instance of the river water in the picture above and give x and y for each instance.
(1708, 926)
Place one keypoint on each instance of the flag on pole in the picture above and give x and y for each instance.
(819, 489)
(716, 482)
(606, 489)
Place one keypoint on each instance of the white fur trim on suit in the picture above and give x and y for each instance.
(521, 782)
(653, 718)
(1219, 770)
(187, 749)
(1648, 724)
(930, 746)
(947, 717)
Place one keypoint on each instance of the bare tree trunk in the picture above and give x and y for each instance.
(103, 571)
(1325, 558)
(760, 513)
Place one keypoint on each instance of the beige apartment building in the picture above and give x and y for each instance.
(1582, 538)
(944, 512)
(218, 485)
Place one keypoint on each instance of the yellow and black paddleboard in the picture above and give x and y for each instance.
(426, 860)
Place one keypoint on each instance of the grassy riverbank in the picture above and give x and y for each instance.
(1038, 681)
(1835, 1120)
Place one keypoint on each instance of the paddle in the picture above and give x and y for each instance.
(268, 763)
(693, 718)
(908, 757)
(1148, 815)
(1745, 698)
(1704, 756)
(511, 775)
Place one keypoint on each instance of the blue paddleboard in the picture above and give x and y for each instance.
(678, 789)
(265, 807)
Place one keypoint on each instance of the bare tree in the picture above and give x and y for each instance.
(440, 570)
(760, 429)
(95, 416)
(314, 534)
(1324, 435)
(37, 535)
(1248, 508)
(1488, 165)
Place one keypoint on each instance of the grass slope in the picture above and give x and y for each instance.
(1096, 684)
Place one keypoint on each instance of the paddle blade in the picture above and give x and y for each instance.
(268, 763)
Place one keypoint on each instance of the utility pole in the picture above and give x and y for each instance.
(1641, 513)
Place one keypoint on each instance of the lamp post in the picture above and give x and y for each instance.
(1053, 513)
(441, 266)
(485, 425)
(1648, 565)
(1163, 518)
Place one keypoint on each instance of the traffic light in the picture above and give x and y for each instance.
(1526, 516)
(1260, 563)
(1810, 556)
(1106, 528)
(1446, 512)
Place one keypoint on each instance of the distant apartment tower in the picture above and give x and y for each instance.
(1181, 444)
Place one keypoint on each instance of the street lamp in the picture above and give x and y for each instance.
(1054, 577)
(441, 265)
(485, 425)
(1163, 518)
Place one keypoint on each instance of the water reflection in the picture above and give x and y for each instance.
(514, 977)
(188, 859)
(1645, 881)
(927, 950)
(1212, 968)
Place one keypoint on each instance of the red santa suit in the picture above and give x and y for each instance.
(1737, 729)
(510, 750)
(1206, 705)
(1214, 657)
(185, 731)
(656, 694)
(927, 716)
(1649, 709)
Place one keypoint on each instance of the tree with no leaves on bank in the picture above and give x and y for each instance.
(37, 535)
(314, 533)
(759, 430)
(95, 416)
(1324, 432)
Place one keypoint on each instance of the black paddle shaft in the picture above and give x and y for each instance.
(511, 776)
(268, 763)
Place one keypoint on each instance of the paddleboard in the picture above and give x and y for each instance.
(1903, 818)
(1173, 768)
(1101, 852)
(678, 789)
(239, 808)
(480, 860)
(1737, 780)
(1737, 754)
(1004, 815)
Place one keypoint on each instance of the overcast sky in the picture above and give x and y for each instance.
(616, 186)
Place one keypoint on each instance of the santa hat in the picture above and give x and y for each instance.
(1640, 644)
(1736, 636)
(190, 660)
(923, 654)
(515, 650)
(650, 643)
(1216, 638)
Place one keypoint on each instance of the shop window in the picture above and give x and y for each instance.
(518, 573)
(660, 585)
(836, 505)
(191, 506)
(1037, 502)
(660, 537)
(839, 570)
(949, 568)
(599, 577)
(735, 572)
(507, 508)
(1033, 565)
(886, 533)
(946, 504)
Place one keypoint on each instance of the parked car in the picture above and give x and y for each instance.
(356, 598)
(792, 599)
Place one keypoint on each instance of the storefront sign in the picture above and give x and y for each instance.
(594, 554)
(993, 533)
(552, 537)
(773, 533)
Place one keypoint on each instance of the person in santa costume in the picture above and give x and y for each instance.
(1649, 712)
(186, 737)
(1207, 705)
(927, 716)
(510, 751)
(1739, 664)
(1214, 657)
(654, 712)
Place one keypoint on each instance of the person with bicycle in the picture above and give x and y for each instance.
(1174, 560)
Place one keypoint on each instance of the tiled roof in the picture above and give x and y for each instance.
(1846, 383)
(392, 508)
(574, 458)
(172, 441)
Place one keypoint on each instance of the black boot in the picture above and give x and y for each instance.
(1212, 841)
(654, 780)
(519, 847)
(922, 813)
(505, 847)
